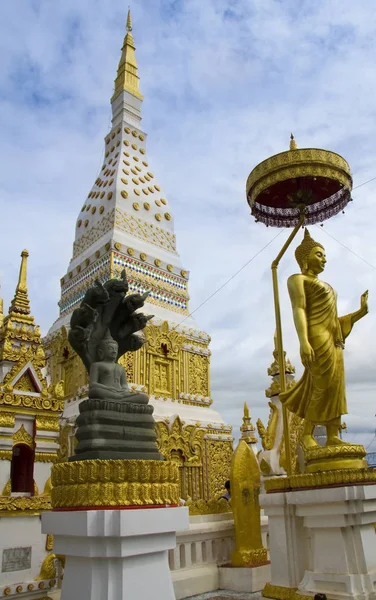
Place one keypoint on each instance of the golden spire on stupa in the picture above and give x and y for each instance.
(127, 74)
(20, 304)
(248, 429)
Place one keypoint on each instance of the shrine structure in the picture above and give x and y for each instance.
(126, 222)
(29, 428)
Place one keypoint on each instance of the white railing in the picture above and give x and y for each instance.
(205, 546)
(209, 539)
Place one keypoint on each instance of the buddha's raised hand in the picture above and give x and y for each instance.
(364, 302)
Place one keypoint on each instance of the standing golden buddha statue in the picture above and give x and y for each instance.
(320, 397)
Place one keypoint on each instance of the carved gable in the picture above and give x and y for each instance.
(25, 383)
(27, 379)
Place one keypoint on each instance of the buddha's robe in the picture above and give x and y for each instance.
(320, 394)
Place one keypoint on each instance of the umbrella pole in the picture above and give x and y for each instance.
(281, 355)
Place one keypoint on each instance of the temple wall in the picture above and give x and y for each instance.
(22, 533)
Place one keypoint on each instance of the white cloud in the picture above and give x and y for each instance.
(224, 84)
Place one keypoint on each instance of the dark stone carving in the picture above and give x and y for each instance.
(114, 423)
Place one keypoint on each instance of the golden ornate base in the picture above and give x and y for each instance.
(333, 458)
(249, 558)
(114, 483)
(278, 592)
(323, 479)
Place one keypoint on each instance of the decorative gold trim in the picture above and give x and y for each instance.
(47, 423)
(31, 402)
(23, 437)
(209, 507)
(24, 506)
(47, 487)
(41, 438)
(5, 454)
(7, 490)
(45, 457)
(323, 479)
(48, 569)
(330, 458)
(49, 542)
(7, 419)
(91, 483)
(321, 452)
(174, 437)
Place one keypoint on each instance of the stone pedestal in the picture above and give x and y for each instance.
(116, 554)
(116, 430)
(322, 540)
(244, 579)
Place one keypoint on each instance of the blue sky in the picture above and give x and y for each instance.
(224, 84)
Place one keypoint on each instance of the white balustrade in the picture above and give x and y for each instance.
(200, 550)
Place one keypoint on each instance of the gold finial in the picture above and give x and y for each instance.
(20, 303)
(293, 145)
(127, 73)
(246, 411)
(247, 429)
(129, 20)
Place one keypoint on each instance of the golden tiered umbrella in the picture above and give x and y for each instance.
(300, 186)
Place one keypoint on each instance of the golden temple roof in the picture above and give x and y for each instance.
(127, 73)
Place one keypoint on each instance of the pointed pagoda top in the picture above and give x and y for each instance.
(293, 144)
(247, 429)
(127, 74)
(19, 332)
(20, 304)
(129, 20)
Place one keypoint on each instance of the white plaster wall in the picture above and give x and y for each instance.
(22, 532)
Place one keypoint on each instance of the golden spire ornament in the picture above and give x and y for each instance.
(21, 303)
(129, 20)
(293, 145)
(127, 74)
(247, 429)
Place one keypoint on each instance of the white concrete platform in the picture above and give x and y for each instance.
(116, 554)
(323, 540)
